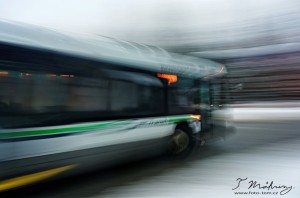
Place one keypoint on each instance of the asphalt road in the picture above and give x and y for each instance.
(258, 152)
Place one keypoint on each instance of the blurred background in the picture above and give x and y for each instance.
(258, 41)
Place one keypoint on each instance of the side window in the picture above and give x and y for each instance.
(137, 98)
(6, 87)
(87, 94)
(20, 93)
(151, 99)
(40, 98)
(36, 93)
(49, 93)
(124, 96)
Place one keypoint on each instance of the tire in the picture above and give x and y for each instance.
(182, 142)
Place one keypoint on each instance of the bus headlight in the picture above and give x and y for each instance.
(196, 117)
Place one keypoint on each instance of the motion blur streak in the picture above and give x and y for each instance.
(106, 92)
(32, 178)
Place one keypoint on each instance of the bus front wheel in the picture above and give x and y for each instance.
(182, 142)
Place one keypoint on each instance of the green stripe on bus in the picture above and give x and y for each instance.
(62, 130)
(179, 119)
(76, 129)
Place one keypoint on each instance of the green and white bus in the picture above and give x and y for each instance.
(68, 102)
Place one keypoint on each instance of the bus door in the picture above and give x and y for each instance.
(210, 100)
(204, 107)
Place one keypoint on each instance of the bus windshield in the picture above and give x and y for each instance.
(183, 96)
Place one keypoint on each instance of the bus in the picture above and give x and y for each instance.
(68, 103)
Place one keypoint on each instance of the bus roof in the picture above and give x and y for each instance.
(101, 48)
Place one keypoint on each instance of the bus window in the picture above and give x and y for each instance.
(136, 98)
(124, 96)
(39, 98)
(88, 94)
(151, 100)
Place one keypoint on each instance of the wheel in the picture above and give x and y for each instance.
(182, 142)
